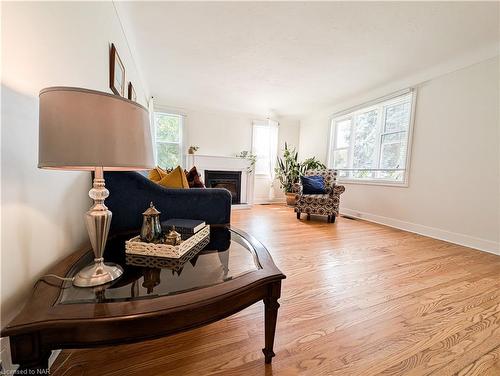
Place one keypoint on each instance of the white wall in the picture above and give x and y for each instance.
(46, 44)
(219, 133)
(454, 175)
(226, 133)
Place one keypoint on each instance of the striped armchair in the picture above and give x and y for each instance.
(321, 204)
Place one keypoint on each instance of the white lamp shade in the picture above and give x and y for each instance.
(82, 129)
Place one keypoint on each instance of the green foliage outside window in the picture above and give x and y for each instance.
(168, 155)
(167, 127)
(168, 131)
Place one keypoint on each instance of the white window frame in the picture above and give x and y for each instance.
(180, 144)
(380, 104)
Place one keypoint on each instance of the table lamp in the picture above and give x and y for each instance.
(89, 130)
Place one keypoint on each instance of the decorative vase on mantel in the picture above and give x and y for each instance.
(193, 149)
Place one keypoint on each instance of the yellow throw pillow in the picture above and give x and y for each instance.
(174, 179)
(157, 173)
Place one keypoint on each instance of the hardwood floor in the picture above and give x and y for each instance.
(359, 299)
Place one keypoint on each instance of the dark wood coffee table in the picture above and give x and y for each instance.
(232, 272)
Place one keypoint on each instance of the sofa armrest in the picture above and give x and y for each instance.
(131, 193)
(338, 189)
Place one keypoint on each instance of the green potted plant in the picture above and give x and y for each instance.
(289, 169)
(311, 164)
(288, 172)
(252, 158)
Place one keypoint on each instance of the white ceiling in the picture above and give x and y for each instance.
(295, 57)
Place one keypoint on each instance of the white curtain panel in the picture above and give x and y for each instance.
(273, 153)
(151, 109)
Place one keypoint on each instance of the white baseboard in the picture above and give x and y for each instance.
(280, 200)
(436, 233)
(241, 206)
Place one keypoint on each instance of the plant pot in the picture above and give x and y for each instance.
(290, 198)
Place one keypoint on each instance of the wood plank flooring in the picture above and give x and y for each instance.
(359, 299)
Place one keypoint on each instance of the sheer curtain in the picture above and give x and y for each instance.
(273, 153)
(151, 109)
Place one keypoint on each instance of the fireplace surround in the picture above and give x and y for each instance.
(223, 164)
(230, 180)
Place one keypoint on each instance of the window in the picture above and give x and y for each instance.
(168, 139)
(265, 146)
(370, 143)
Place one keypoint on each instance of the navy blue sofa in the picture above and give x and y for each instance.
(131, 192)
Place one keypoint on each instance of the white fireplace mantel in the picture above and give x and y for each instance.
(225, 163)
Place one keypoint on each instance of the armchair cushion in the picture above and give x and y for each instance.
(313, 184)
(317, 204)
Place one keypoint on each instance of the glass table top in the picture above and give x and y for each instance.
(227, 255)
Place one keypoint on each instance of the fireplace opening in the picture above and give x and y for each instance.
(231, 180)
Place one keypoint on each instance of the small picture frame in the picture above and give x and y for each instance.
(116, 72)
(131, 92)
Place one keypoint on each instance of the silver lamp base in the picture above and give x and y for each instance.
(97, 274)
(98, 219)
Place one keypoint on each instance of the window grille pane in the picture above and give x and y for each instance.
(167, 127)
(397, 117)
(393, 137)
(396, 176)
(393, 150)
(362, 174)
(365, 140)
(343, 174)
(390, 156)
(168, 155)
(340, 158)
(343, 138)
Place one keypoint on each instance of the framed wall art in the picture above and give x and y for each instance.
(131, 92)
(116, 72)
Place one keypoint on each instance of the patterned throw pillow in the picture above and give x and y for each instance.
(193, 178)
(174, 179)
